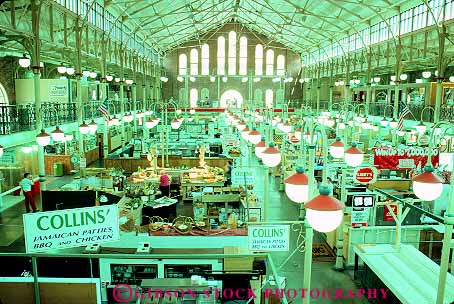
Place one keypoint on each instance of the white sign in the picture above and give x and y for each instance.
(360, 217)
(70, 228)
(58, 90)
(269, 238)
(242, 176)
(83, 162)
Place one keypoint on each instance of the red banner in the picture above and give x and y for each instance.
(401, 159)
(387, 216)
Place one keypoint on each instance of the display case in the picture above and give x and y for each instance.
(132, 274)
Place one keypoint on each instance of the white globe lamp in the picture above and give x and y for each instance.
(254, 136)
(260, 147)
(427, 186)
(354, 156)
(43, 139)
(324, 213)
(336, 149)
(84, 128)
(297, 186)
(93, 127)
(57, 134)
(271, 156)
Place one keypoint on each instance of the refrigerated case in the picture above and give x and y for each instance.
(134, 271)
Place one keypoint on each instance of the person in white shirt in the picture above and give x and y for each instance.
(26, 184)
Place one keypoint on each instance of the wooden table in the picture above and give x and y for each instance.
(410, 275)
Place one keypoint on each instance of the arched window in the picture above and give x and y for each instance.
(205, 59)
(243, 56)
(280, 65)
(221, 56)
(183, 64)
(232, 53)
(269, 98)
(193, 98)
(3, 95)
(270, 62)
(259, 60)
(194, 62)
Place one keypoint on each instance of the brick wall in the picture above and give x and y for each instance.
(217, 88)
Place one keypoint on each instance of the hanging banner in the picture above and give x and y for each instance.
(405, 158)
(68, 228)
(360, 217)
(387, 215)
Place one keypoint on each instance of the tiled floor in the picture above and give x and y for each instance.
(279, 209)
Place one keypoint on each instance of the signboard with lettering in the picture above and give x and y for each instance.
(83, 162)
(68, 228)
(241, 176)
(58, 91)
(360, 217)
(405, 158)
(365, 175)
(361, 201)
(269, 238)
(387, 216)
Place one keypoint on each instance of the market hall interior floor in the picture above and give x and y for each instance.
(280, 208)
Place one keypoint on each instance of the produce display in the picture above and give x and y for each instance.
(205, 175)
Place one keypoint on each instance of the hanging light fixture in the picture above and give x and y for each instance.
(57, 134)
(24, 61)
(393, 124)
(241, 125)
(426, 74)
(403, 76)
(393, 77)
(451, 78)
(150, 123)
(129, 81)
(114, 121)
(86, 74)
(365, 125)
(354, 156)
(286, 127)
(140, 114)
(224, 79)
(244, 79)
(117, 79)
(212, 78)
(427, 186)
(298, 133)
(43, 139)
(245, 133)
(192, 79)
(254, 136)
(164, 79)
(421, 128)
(175, 124)
(271, 156)
(93, 75)
(1, 150)
(384, 122)
(93, 127)
(297, 186)
(128, 117)
(341, 125)
(377, 79)
(324, 213)
(256, 79)
(70, 71)
(192, 111)
(84, 128)
(260, 147)
(61, 69)
(180, 78)
(109, 78)
(336, 149)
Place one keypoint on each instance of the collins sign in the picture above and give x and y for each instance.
(365, 175)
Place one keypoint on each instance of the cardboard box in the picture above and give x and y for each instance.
(237, 264)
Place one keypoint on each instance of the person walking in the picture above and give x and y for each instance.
(164, 184)
(26, 185)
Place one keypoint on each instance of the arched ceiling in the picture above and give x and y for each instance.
(298, 24)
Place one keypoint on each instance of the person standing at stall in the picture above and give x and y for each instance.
(164, 183)
(26, 185)
(228, 173)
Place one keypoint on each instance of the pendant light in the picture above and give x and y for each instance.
(427, 186)
(93, 127)
(1, 150)
(24, 61)
(297, 186)
(336, 149)
(271, 156)
(354, 156)
(254, 136)
(57, 134)
(84, 128)
(260, 147)
(324, 213)
(43, 139)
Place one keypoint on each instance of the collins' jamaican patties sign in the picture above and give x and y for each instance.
(70, 228)
(269, 238)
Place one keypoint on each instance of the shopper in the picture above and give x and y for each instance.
(228, 173)
(164, 183)
(26, 185)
